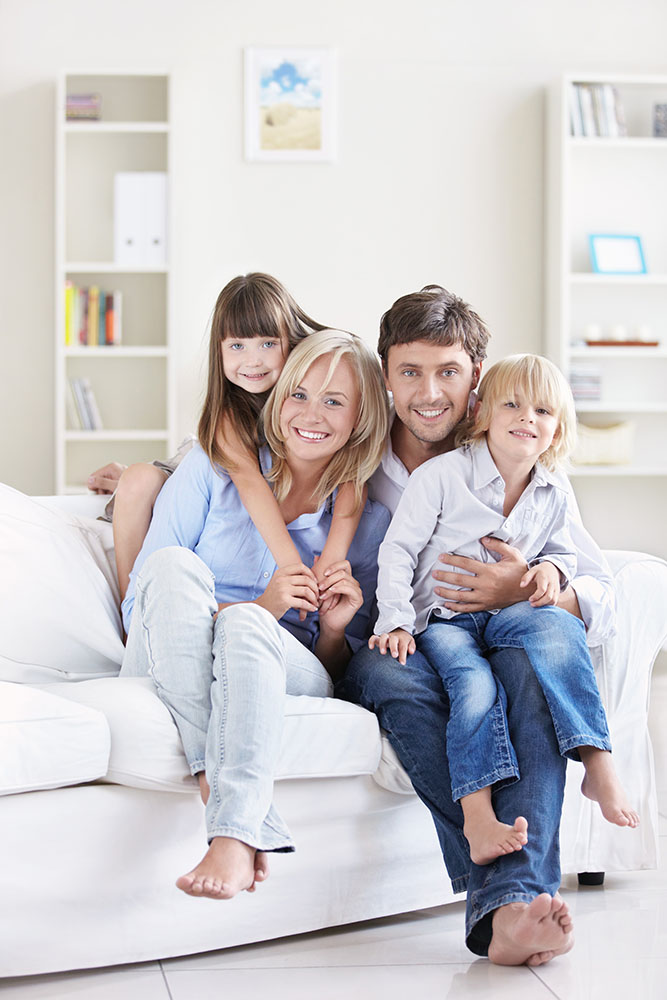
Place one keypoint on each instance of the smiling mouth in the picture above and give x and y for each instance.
(256, 376)
(310, 435)
(523, 434)
(431, 414)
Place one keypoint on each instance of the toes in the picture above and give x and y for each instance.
(540, 958)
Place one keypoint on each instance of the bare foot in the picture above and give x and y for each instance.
(227, 868)
(531, 933)
(490, 838)
(601, 784)
(261, 870)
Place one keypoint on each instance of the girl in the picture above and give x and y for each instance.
(255, 325)
(214, 621)
(503, 482)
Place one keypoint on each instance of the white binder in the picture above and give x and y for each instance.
(140, 219)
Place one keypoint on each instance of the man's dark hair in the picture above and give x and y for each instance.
(434, 315)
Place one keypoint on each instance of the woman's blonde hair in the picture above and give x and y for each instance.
(356, 462)
(251, 305)
(542, 384)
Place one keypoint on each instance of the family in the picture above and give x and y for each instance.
(425, 560)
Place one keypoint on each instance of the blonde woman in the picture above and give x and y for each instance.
(225, 634)
(503, 483)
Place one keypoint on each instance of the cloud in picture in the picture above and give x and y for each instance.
(296, 81)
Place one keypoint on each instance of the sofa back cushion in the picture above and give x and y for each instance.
(59, 617)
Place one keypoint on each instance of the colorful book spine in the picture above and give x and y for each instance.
(93, 317)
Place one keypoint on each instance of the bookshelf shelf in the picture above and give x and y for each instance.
(131, 380)
(609, 183)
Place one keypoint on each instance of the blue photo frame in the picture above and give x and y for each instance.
(613, 253)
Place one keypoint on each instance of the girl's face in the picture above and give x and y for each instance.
(521, 430)
(316, 421)
(253, 363)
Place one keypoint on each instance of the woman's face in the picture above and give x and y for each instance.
(315, 421)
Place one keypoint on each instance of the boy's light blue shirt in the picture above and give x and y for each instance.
(448, 505)
(201, 510)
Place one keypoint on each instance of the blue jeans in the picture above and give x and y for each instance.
(224, 682)
(412, 707)
(458, 648)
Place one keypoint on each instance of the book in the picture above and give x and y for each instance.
(91, 404)
(576, 124)
(69, 300)
(71, 408)
(83, 107)
(587, 111)
(92, 339)
(81, 404)
(93, 317)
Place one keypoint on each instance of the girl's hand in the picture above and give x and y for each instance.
(322, 573)
(546, 578)
(398, 642)
(290, 587)
(342, 588)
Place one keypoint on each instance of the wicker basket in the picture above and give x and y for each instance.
(604, 445)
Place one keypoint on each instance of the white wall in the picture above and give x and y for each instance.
(439, 177)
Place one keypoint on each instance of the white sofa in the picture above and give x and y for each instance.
(98, 814)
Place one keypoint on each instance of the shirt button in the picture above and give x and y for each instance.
(265, 575)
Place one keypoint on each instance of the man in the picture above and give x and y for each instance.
(432, 346)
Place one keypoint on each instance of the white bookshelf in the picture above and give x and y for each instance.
(614, 185)
(133, 382)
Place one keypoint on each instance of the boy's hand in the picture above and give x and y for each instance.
(398, 642)
(105, 480)
(323, 574)
(546, 578)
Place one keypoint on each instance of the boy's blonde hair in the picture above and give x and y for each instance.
(542, 384)
(360, 457)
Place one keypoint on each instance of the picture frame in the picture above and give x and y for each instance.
(613, 253)
(290, 104)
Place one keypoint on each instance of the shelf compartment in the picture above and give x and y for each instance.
(144, 309)
(140, 97)
(130, 391)
(84, 456)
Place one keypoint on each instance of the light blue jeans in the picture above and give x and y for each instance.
(224, 682)
(458, 649)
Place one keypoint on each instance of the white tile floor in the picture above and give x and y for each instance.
(621, 951)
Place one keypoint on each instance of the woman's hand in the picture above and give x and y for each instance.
(290, 587)
(340, 584)
(546, 578)
(398, 643)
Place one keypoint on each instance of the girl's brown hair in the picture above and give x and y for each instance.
(252, 305)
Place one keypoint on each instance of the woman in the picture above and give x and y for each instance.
(219, 629)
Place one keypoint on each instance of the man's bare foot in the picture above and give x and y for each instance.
(489, 838)
(227, 868)
(531, 933)
(261, 870)
(602, 785)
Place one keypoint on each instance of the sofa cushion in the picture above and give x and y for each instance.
(47, 741)
(322, 737)
(59, 613)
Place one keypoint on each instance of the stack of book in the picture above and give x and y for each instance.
(586, 383)
(596, 110)
(93, 318)
(83, 107)
(82, 409)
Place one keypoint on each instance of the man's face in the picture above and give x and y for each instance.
(430, 385)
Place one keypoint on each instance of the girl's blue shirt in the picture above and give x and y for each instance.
(199, 508)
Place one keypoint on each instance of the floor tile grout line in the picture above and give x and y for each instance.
(166, 981)
(541, 981)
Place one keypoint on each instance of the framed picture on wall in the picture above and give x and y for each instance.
(612, 254)
(290, 105)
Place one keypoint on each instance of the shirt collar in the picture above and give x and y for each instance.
(485, 471)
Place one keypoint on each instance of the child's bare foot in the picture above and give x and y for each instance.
(489, 838)
(227, 868)
(261, 870)
(601, 784)
(531, 933)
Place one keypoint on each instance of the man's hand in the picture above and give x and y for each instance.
(489, 585)
(105, 480)
(398, 642)
(290, 587)
(546, 578)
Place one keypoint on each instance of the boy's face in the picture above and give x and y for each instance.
(520, 430)
(431, 385)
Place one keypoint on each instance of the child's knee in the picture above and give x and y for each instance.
(140, 482)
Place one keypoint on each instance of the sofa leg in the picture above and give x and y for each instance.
(591, 878)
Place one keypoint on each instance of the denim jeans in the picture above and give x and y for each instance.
(412, 707)
(457, 649)
(224, 682)
(479, 750)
